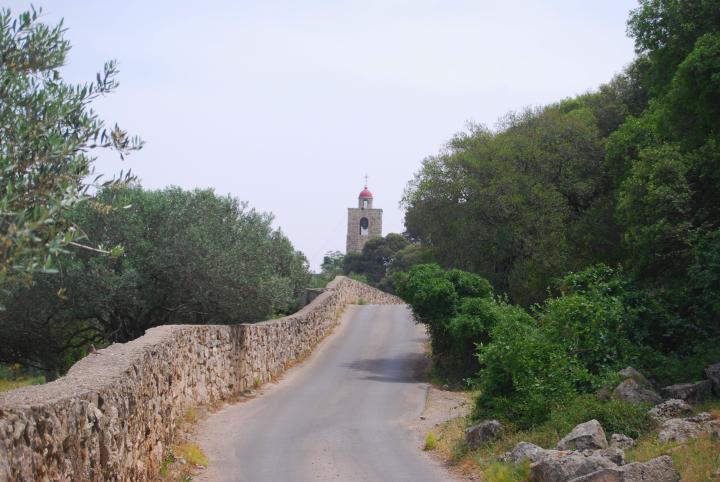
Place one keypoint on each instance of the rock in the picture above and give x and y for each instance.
(561, 466)
(656, 470)
(524, 451)
(604, 394)
(482, 432)
(589, 435)
(633, 374)
(713, 374)
(700, 417)
(621, 441)
(673, 408)
(660, 469)
(690, 392)
(631, 391)
(613, 454)
(684, 429)
(602, 475)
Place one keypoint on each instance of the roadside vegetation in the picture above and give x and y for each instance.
(574, 240)
(86, 261)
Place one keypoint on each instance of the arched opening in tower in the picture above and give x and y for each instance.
(364, 226)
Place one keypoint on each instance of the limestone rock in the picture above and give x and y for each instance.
(613, 454)
(524, 451)
(621, 441)
(673, 408)
(713, 374)
(684, 429)
(602, 475)
(482, 432)
(690, 392)
(589, 435)
(561, 466)
(633, 374)
(660, 469)
(631, 391)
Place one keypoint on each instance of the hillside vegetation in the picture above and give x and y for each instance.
(579, 238)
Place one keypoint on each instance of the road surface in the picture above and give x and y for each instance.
(342, 415)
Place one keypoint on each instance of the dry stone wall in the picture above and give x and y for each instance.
(113, 415)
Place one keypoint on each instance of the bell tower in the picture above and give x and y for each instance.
(364, 222)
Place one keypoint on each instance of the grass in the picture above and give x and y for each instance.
(502, 472)
(192, 415)
(698, 460)
(430, 441)
(191, 453)
(362, 301)
(7, 384)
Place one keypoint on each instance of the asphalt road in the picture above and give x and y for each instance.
(343, 415)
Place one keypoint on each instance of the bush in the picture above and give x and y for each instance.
(525, 372)
(458, 310)
(593, 328)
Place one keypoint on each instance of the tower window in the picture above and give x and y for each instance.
(364, 226)
(365, 203)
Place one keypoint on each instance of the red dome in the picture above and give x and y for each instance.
(365, 194)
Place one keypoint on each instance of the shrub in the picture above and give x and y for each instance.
(458, 310)
(525, 372)
(593, 328)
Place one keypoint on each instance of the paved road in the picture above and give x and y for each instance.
(340, 416)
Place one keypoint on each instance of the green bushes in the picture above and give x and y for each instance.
(458, 310)
(190, 257)
(531, 367)
(525, 371)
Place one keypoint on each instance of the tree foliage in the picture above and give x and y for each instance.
(190, 257)
(49, 133)
(627, 176)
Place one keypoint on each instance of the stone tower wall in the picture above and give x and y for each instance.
(356, 241)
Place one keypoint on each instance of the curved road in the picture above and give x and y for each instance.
(343, 415)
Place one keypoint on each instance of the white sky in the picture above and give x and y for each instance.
(287, 104)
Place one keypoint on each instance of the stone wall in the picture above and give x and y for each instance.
(112, 416)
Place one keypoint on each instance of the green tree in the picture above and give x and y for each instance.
(48, 133)
(375, 260)
(191, 257)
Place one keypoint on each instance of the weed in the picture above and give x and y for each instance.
(7, 385)
(430, 441)
(192, 415)
(362, 301)
(165, 465)
(504, 472)
(256, 382)
(697, 460)
(192, 454)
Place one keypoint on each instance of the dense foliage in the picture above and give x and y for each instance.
(47, 134)
(381, 258)
(626, 177)
(190, 257)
